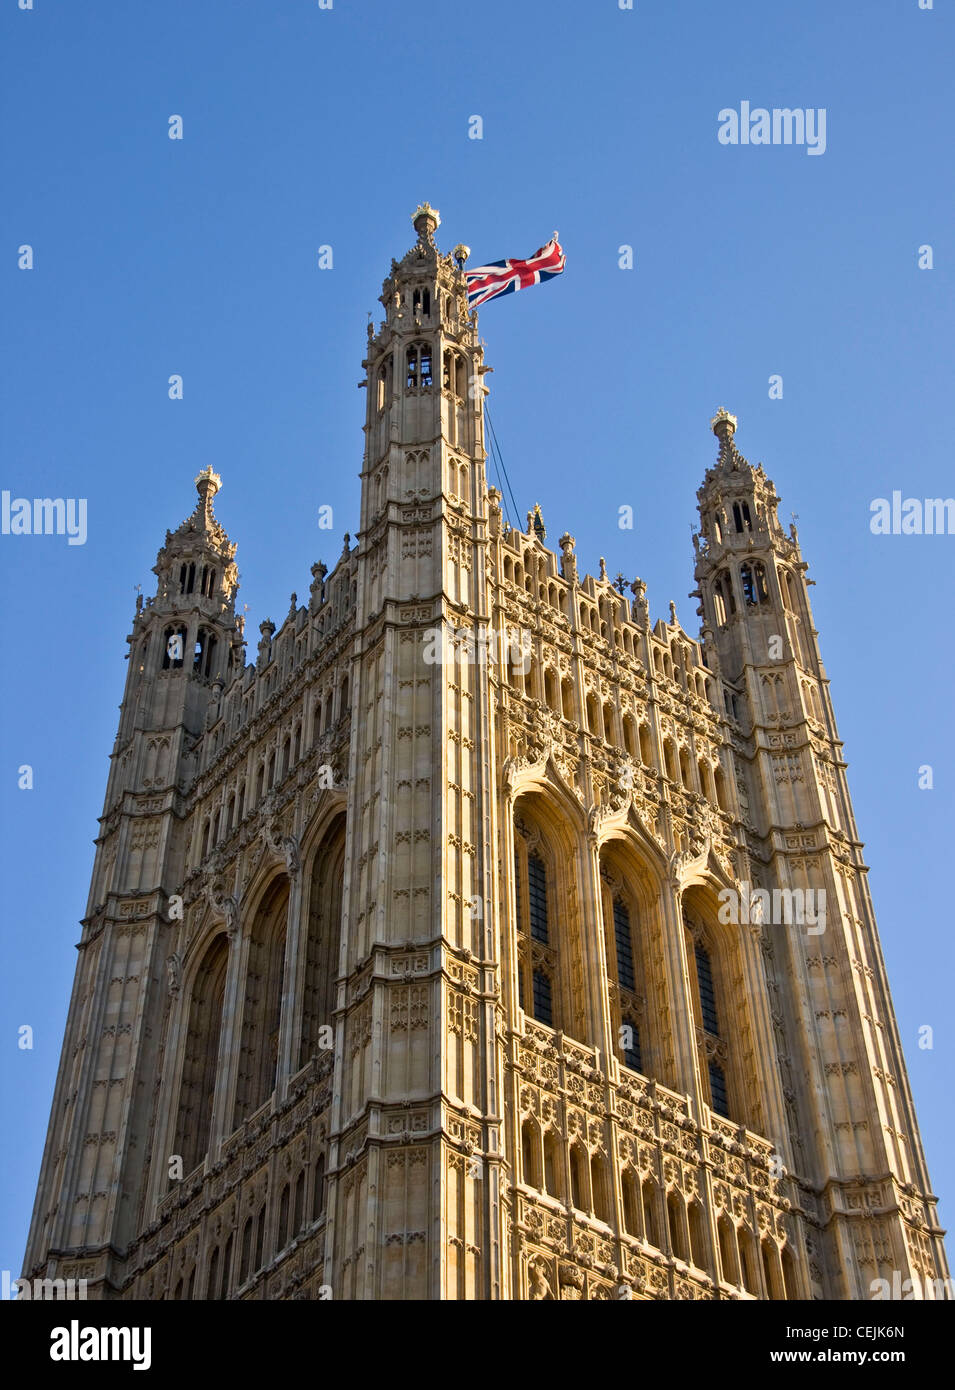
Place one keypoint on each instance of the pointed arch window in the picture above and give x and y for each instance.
(535, 873)
(201, 1055)
(204, 660)
(258, 1050)
(715, 1049)
(174, 648)
(741, 517)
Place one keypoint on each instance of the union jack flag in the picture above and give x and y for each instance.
(504, 277)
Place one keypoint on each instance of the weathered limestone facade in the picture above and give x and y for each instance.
(403, 972)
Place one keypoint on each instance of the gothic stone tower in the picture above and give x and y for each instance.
(407, 971)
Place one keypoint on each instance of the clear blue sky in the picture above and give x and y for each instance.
(305, 127)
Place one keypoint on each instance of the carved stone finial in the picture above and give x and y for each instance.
(723, 424)
(426, 220)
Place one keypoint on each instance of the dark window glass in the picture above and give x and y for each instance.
(718, 1090)
(704, 975)
(632, 1057)
(624, 942)
(537, 897)
(543, 1010)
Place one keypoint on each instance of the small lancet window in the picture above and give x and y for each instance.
(425, 365)
(746, 580)
(412, 372)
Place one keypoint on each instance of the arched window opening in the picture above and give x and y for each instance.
(270, 776)
(260, 783)
(729, 1262)
(685, 775)
(553, 1167)
(567, 699)
(530, 1154)
(343, 706)
(323, 940)
(697, 1236)
(772, 1272)
(593, 716)
(651, 1222)
(212, 1277)
(174, 648)
(669, 760)
(425, 369)
(747, 584)
(298, 1214)
(550, 690)
(201, 1055)
(609, 717)
(259, 1238)
(230, 815)
(226, 1267)
(284, 1205)
(536, 882)
(203, 663)
(286, 756)
(601, 1197)
(411, 373)
(245, 1250)
(741, 517)
(646, 746)
(257, 1056)
(318, 1191)
(747, 1259)
(384, 383)
(297, 747)
(578, 1178)
(676, 1218)
(790, 1281)
(629, 740)
(631, 1203)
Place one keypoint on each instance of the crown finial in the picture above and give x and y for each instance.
(208, 482)
(426, 220)
(723, 424)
